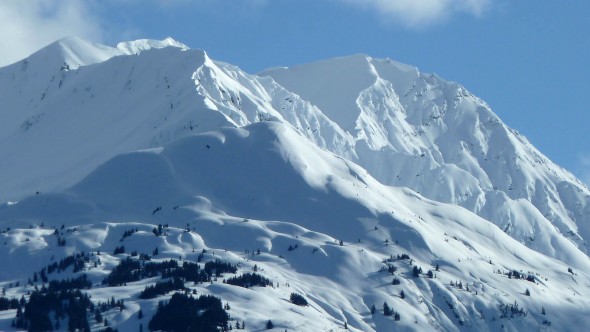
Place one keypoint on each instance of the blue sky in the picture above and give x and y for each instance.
(529, 59)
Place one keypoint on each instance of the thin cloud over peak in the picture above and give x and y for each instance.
(27, 25)
(421, 13)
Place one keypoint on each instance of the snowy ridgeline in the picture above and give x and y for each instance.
(382, 197)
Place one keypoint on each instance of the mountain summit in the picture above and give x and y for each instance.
(331, 179)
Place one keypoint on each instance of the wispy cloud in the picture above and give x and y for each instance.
(27, 25)
(421, 13)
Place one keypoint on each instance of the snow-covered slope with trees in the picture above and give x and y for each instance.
(316, 177)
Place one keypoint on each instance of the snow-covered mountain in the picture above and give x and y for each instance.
(318, 176)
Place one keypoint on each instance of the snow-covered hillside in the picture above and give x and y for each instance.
(316, 177)
(418, 131)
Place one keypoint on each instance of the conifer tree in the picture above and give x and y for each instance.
(386, 310)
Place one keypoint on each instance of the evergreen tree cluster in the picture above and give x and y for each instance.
(154, 269)
(160, 230)
(130, 270)
(218, 267)
(128, 233)
(106, 306)
(81, 282)
(510, 310)
(238, 326)
(387, 311)
(78, 260)
(298, 299)
(189, 272)
(42, 275)
(391, 268)
(403, 256)
(388, 260)
(161, 288)
(185, 313)
(119, 250)
(416, 271)
(7, 304)
(248, 280)
(70, 303)
(514, 274)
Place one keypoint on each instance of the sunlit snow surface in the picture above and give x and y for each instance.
(371, 152)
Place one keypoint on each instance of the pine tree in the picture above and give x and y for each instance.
(98, 316)
(140, 314)
(269, 325)
(416, 272)
(543, 310)
(386, 310)
(402, 294)
(373, 309)
(298, 299)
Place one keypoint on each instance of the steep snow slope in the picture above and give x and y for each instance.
(59, 124)
(416, 130)
(264, 187)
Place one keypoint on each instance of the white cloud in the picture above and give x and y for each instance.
(421, 13)
(28, 25)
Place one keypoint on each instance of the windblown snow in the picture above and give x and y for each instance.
(321, 177)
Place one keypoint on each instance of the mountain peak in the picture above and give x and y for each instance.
(332, 85)
(140, 45)
(75, 52)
